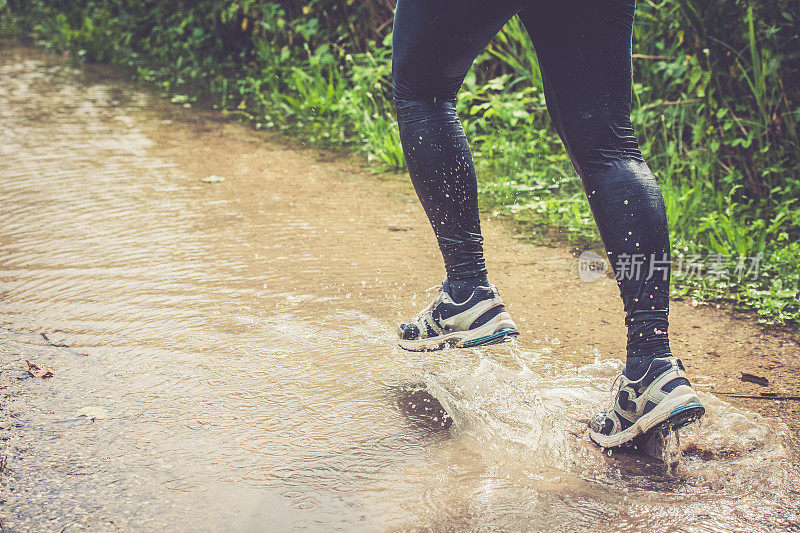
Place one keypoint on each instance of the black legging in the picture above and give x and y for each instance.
(584, 52)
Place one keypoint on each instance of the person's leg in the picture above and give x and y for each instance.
(434, 44)
(584, 50)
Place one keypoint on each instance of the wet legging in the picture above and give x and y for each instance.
(584, 52)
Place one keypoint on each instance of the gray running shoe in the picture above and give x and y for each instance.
(480, 320)
(661, 401)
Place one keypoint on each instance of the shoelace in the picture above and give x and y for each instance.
(433, 301)
(614, 384)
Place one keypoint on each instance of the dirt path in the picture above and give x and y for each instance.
(577, 320)
(186, 320)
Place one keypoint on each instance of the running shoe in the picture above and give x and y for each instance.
(482, 319)
(661, 401)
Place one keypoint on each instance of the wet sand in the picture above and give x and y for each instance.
(224, 353)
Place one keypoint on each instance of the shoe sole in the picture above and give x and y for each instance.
(494, 338)
(669, 415)
(483, 336)
(678, 418)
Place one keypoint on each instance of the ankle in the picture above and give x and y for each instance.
(634, 369)
(461, 289)
(637, 366)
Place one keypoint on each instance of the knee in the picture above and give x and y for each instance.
(412, 85)
(403, 92)
(405, 86)
(602, 143)
(418, 104)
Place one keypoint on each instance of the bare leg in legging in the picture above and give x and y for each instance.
(584, 50)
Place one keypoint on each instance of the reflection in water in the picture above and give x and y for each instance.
(234, 341)
(422, 409)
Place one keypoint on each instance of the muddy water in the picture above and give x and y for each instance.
(224, 355)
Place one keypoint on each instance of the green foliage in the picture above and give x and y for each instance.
(716, 108)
